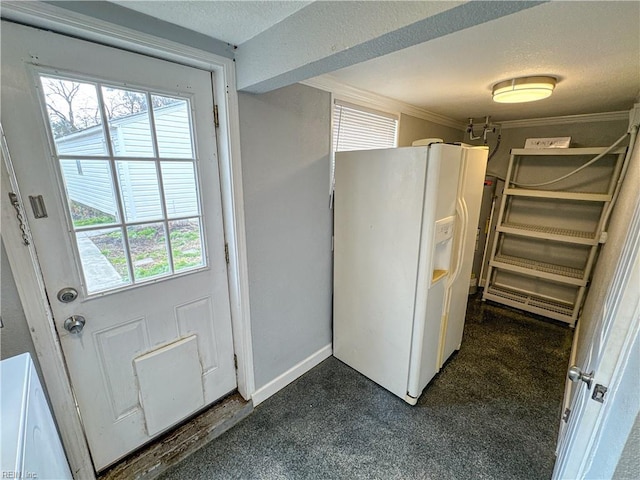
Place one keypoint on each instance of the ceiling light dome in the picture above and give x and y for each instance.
(523, 89)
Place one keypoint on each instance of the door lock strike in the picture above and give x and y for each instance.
(598, 393)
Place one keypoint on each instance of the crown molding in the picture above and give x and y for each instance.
(342, 91)
(355, 95)
(567, 119)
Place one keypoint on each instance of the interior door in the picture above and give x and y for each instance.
(605, 356)
(116, 152)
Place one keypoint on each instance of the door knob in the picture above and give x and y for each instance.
(575, 374)
(74, 324)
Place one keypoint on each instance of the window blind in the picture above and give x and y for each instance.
(356, 128)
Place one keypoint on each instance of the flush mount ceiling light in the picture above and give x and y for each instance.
(523, 89)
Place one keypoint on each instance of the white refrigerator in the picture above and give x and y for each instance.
(405, 230)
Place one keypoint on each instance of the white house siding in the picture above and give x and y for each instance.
(139, 189)
(173, 131)
(180, 189)
(140, 192)
(133, 139)
(91, 185)
(89, 143)
(138, 178)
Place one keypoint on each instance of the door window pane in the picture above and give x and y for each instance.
(103, 257)
(139, 190)
(173, 127)
(135, 219)
(180, 189)
(186, 244)
(89, 192)
(148, 245)
(74, 116)
(129, 126)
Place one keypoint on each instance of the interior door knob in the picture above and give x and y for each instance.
(74, 324)
(575, 375)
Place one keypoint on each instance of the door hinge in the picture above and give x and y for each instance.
(226, 253)
(216, 120)
(565, 415)
(235, 361)
(598, 393)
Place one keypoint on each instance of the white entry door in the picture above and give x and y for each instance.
(603, 404)
(119, 150)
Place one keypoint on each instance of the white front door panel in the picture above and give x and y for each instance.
(128, 172)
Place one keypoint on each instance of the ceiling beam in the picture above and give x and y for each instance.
(328, 35)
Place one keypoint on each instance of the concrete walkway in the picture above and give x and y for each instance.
(99, 273)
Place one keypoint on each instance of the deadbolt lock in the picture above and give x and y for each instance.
(67, 295)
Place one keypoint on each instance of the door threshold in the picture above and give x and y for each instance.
(169, 449)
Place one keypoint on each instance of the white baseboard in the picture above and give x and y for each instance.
(290, 375)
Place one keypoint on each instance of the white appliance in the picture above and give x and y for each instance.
(31, 447)
(405, 229)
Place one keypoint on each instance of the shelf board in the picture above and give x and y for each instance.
(559, 152)
(561, 195)
(532, 303)
(549, 233)
(548, 271)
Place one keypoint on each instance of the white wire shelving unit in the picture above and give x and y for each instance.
(547, 238)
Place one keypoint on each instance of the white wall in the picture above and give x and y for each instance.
(285, 144)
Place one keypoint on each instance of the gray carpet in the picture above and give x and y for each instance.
(491, 413)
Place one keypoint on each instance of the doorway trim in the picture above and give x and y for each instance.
(24, 261)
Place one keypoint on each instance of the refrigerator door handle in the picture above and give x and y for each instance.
(463, 215)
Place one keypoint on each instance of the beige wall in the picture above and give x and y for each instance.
(591, 134)
(412, 128)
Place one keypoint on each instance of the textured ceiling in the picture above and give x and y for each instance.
(233, 22)
(592, 47)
